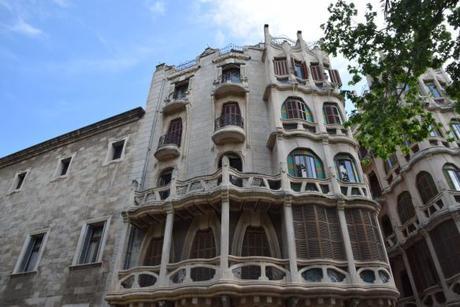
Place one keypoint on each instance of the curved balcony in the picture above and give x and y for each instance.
(229, 129)
(174, 105)
(255, 274)
(168, 147)
(230, 84)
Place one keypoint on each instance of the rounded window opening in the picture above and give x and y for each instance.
(165, 177)
(234, 161)
(305, 164)
(295, 108)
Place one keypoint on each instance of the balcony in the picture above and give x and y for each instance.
(173, 105)
(168, 147)
(229, 129)
(230, 83)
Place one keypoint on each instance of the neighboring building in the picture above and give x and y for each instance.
(420, 197)
(239, 187)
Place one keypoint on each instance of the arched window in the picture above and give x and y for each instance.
(165, 177)
(455, 126)
(446, 241)
(304, 163)
(174, 134)
(332, 114)
(374, 184)
(231, 115)
(203, 245)
(426, 186)
(386, 226)
(406, 209)
(255, 242)
(154, 250)
(453, 176)
(317, 232)
(295, 108)
(346, 168)
(233, 159)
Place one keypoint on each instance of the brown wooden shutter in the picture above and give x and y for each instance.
(255, 242)
(335, 77)
(203, 244)
(316, 72)
(175, 132)
(153, 256)
(422, 265)
(305, 70)
(280, 66)
(446, 241)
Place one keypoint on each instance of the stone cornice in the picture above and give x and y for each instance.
(73, 136)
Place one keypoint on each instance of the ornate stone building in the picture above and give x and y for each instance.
(238, 187)
(420, 195)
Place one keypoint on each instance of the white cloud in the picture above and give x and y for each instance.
(23, 27)
(158, 7)
(62, 3)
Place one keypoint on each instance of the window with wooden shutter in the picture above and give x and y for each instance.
(317, 232)
(335, 77)
(300, 69)
(306, 164)
(316, 73)
(203, 244)
(426, 186)
(446, 241)
(174, 134)
(406, 209)
(422, 266)
(154, 250)
(364, 235)
(332, 114)
(295, 108)
(255, 242)
(280, 66)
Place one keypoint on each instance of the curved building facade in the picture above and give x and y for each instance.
(420, 194)
(247, 189)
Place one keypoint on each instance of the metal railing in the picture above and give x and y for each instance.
(169, 139)
(229, 120)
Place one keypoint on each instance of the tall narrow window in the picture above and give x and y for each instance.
(29, 261)
(335, 77)
(433, 89)
(390, 163)
(346, 168)
(332, 114)
(406, 209)
(174, 135)
(154, 250)
(317, 232)
(231, 73)
(117, 149)
(300, 69)
(426, 186)
(446, 241)
(231, 115)
(64, 165)
(180, 90)
(19, 180)
(422, 266)
(165, 177)
(316, 73)
(92, 243)
(364, 235)
(386, 226)
(452, 175)
(295, 108)
(304, 163)
(374, 184)
(203, 244)
(280, 66)
(455, 126)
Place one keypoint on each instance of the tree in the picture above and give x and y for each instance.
(415, 36)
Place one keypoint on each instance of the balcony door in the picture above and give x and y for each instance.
(231, 114)
(174, 134)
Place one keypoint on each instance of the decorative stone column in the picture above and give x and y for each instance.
(330, 165)
(225, 220)
(290, 236)
(167, 239)
(347, 241)
(411, 277)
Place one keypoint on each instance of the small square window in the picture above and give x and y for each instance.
(117, 149)
(92, 243)
(64, 166)
(180, 90)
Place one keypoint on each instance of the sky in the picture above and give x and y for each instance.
(65, 64)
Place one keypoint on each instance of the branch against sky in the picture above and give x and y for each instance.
(413, 38)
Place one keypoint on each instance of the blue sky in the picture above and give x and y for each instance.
(65, 64)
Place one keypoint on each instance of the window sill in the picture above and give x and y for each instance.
(85, 266)
(57, 178)
(19, 274)
(14, 191)
(113, 161)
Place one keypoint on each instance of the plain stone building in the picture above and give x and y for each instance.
(420, 196)
(238, 187)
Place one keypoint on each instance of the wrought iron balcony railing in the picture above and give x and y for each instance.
(169, 139)
(229, 120)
